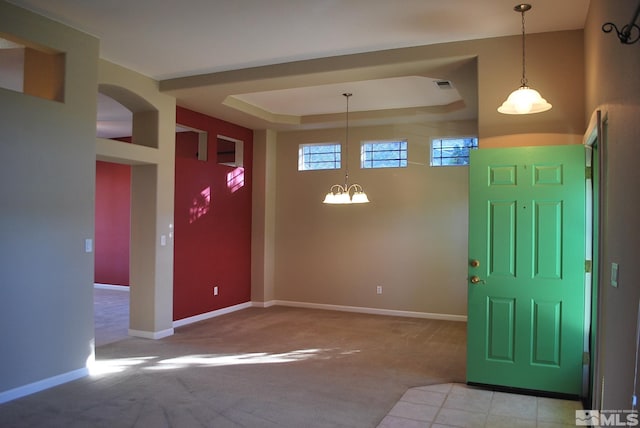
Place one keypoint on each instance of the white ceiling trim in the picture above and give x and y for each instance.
(368, 95)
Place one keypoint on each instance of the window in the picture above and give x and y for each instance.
(319, 156)
(452, 151)
(383, 154)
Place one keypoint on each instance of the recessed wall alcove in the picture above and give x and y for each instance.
(122, 112)
(31, 69)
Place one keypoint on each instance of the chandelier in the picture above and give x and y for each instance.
(346, 194)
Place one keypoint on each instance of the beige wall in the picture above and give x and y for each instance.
(47, 150)
(613, 87)
(263, 216)
(523, 140)
(411, 239)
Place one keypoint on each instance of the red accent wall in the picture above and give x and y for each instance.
(212, 243)
(112, 223)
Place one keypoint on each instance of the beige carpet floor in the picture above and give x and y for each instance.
(275, 367)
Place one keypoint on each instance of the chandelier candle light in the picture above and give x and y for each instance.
(339, 194)
(524, 100)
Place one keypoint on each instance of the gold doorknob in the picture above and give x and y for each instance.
(476, 280)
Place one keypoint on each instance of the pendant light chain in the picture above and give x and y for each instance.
(523, 81)
(346, 143)
(524, 100)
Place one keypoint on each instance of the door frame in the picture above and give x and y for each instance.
(594, 141)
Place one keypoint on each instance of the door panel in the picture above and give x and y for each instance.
(546, 333)
(547, 240)
(501, 329)
(526, 230)
(502, 223)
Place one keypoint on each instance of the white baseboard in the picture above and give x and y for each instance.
(41, 385)
(364, 310)
(267, 304)
(212, 314)
(358, 309)
(112, 287)
(155, 335)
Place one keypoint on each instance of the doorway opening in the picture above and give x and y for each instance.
(111, 255)
(111, 303)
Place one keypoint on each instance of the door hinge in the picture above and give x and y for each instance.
(587, 266)
(588, 173)
(586, 358)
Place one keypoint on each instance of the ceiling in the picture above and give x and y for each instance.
(173, 40)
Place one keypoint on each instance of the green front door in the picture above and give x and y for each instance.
(526, 291)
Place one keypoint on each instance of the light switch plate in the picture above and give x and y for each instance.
(614, 274)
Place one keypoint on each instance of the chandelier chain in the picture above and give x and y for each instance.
(346, 142)
(524, 100)
(523, 81)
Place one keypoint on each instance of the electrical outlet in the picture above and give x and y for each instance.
(379, 289)
(215, 290)
(614, 274)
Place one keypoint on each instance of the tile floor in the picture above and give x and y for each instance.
(459, 405)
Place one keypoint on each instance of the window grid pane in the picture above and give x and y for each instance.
(384, 154)
(452, 151)
(319, 156)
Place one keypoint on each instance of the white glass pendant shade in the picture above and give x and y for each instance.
(359, 198)
(343, 198)
(329, 199)
(337, 196)
(524, 100)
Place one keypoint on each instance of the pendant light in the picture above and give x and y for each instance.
(339, 194)
(524, 100)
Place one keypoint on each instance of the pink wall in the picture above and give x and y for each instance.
(112, 225)
(212, 245)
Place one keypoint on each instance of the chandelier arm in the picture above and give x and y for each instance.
(355, 187)
(340, 187)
